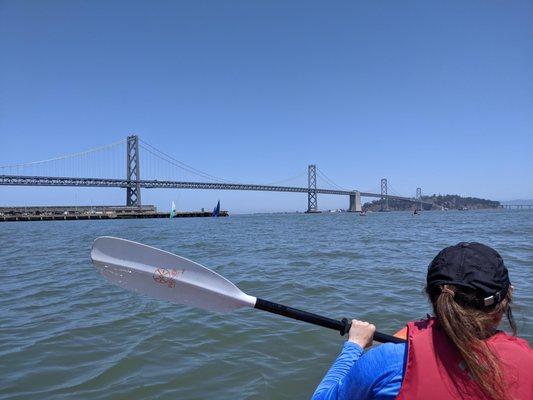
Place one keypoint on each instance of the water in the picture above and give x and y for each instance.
(67, 334)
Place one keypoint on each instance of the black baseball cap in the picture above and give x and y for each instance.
(471, 265)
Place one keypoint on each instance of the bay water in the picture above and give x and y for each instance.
(65, 333)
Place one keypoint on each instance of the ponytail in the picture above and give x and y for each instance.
(467, 325)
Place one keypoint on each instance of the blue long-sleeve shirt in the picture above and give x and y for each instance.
(376, 374)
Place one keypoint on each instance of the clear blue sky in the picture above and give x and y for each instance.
(432, 95)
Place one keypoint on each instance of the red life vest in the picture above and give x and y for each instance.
(436, 371)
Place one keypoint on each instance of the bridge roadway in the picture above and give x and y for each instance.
(21, 180)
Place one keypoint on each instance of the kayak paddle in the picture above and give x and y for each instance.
(166, 276)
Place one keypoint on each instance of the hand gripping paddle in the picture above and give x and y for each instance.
(166, 276)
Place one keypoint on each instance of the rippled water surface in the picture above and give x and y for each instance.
(65, 333)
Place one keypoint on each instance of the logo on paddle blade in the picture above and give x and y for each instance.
(167, 276)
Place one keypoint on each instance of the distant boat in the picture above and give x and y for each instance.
(362, 213)
(216, 211)
(173, 210)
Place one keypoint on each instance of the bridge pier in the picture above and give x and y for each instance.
(355, 202)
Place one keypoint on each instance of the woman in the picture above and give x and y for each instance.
(458, 354)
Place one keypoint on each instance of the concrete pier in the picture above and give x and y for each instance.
(71, 213)
(355, 202)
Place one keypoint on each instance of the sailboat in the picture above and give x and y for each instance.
(173, 210)
(216, 210)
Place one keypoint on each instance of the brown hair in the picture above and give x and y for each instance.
(467, 324)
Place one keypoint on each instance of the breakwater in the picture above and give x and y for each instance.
(71, 213)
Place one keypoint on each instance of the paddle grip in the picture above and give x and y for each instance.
(340, 326)
(378, 336)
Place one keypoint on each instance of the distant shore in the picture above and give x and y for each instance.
(434, 202)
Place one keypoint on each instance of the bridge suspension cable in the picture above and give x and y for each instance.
(102, 161)
(63, 157)
(328, 180)
(292, 178)
(177, 163)
(393, 191)
(192, 170)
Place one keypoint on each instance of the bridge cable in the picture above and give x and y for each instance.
(396, 193)
(171, 160)
(286, 180)
(324, 176)
(392, 190)
(71, 155)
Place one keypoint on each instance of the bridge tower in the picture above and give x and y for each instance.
(312, 203)
(133, 176)
(419, 197)
(384, 195)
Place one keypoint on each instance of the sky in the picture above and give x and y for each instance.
(437, 95)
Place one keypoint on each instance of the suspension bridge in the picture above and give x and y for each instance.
(104, 167)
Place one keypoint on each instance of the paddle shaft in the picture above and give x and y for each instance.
(340, 326)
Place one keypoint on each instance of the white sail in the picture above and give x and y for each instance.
(172, 210)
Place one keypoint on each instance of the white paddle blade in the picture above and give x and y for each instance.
(165, 276)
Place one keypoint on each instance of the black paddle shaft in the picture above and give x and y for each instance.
(342, 326)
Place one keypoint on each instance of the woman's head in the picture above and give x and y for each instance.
(469, 288)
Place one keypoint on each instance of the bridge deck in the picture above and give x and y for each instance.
(20, 180)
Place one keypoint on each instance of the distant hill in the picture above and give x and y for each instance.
(438, 202)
